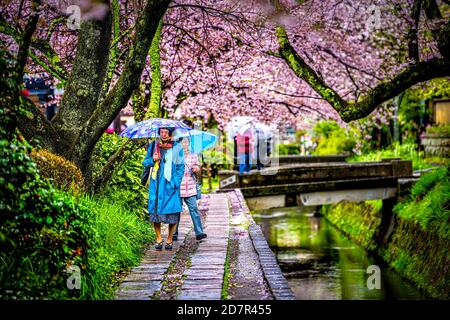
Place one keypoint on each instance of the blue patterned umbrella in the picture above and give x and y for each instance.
(149, 128)
(199, 140)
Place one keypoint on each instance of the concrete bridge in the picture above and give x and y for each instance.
(288, 160)
(318, 183)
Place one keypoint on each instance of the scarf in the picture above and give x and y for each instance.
(166, 145)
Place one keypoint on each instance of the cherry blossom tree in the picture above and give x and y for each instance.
(282, 62)
(423, 63)
(84, 114)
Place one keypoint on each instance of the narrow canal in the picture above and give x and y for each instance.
(320, 262)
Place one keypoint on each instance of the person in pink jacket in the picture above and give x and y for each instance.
(188, 190)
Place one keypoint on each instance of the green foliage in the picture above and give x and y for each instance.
(48, 232)
(214, 184)
(407, 151)
(64, 174)
(287, 149)
(443, 129)
(221, 156)
(420, 256)
(43, 230)
(54, 230)
(332, 139)
(435, 88)
(359, 221)
(8, 108)
(429, 203)
(127, 176)
(412, 112)
(120, 238)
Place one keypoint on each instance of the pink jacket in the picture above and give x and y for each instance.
(188, 186)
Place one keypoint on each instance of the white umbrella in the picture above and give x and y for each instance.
(236, 123)
(263, 130)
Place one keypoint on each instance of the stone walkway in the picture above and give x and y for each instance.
(194, 270)
(204, 278)
(145, 280)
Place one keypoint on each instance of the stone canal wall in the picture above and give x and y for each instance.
(264, 256)
(417, 255)
(436, 144)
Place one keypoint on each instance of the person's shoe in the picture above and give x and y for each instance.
(159, 245)
(201, 236)
(174, 238)
(169, 246)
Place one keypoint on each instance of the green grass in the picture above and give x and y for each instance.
(421, 257)
(429, 203)
(227, 272)
(214, 183)
(121, 236)
(359, 221)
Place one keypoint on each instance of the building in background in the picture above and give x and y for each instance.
(440, 111)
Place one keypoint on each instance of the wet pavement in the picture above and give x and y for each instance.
(233, 262)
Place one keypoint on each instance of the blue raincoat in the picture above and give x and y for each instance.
(168, 200)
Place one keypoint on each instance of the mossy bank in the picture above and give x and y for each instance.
(418, 246)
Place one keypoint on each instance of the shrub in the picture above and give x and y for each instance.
(332, 139)
(63, 173)
(429, 203)
(47, 230)
(287, 149)
(48, 233)
(44, 230)
(406, 151)
(127, 176)
(439, 129)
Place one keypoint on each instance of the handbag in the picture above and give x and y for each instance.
(199, 190)
(197, 184)
(145, 175)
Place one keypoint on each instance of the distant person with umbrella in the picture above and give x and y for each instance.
(245, 145)
(164, 204)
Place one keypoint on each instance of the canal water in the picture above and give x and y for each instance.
(321, 263)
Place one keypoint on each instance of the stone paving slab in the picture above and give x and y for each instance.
(208, 262)
(146, 279)
(196, 295)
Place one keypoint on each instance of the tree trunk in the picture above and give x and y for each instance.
(155, 66)
(208, 168)
(119, 96)
(156, 93)
(85, 82)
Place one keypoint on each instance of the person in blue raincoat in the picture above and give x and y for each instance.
(166, 158)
